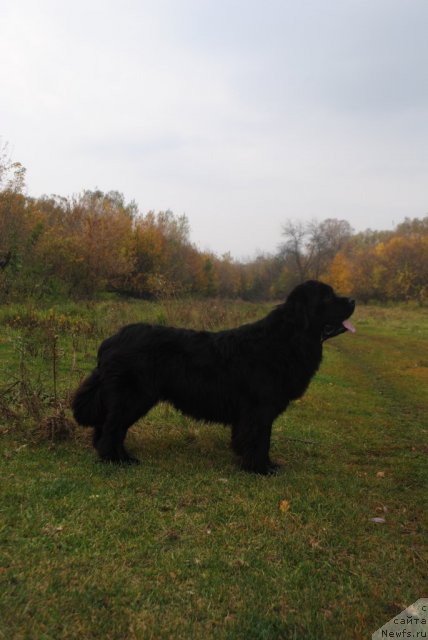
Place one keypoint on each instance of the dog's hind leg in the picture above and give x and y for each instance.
(98, 432)
(110, 444)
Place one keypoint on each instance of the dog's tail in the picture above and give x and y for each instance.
(86, 403)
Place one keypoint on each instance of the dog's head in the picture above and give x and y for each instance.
(316, 308)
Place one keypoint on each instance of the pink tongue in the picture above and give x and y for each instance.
(349, 326)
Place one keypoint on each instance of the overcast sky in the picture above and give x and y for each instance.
(240, 114)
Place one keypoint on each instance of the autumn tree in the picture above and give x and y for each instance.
(313, 245)
(14, 219)
(405, 268)
(97, 241)
(296, 235)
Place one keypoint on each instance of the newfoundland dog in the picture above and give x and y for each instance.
(243, 377)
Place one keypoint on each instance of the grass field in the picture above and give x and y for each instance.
(186, 545)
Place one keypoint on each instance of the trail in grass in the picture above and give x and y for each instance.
(387, 406)
(396, 370)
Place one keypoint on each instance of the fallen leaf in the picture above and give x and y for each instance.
(284, 506)
(380, 474)
(231, 617)
(51, 530)
(382, 509)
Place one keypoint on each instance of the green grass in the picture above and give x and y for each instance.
(188, 546)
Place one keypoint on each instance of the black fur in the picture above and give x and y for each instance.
(243, 377)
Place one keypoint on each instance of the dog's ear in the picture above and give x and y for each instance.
(297, 305)
(301, 314)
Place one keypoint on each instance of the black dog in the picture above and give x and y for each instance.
(243, 377)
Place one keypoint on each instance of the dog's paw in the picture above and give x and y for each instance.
(273, 469)
(261, 469)
(116, 459)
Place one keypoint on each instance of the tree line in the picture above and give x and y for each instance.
(95, 241)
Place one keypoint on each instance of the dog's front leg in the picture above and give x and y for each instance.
(251, 441)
